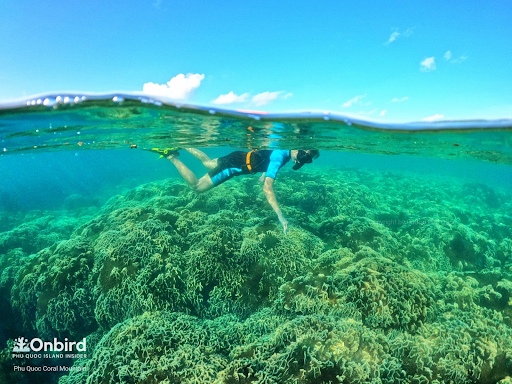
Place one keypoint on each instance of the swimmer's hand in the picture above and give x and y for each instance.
(284, 223)
(262, 178)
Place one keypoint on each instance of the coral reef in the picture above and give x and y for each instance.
(460, 347)
(137, 264)
(155, 347)
(381, 278)
(387, 294)
(310, 349)
(53, 292)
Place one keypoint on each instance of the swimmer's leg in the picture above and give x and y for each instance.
(203, 158)
(199, 185)
(204, 184)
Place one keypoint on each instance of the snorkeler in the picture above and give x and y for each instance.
(239, 163)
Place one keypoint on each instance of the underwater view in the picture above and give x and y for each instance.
(386, 258)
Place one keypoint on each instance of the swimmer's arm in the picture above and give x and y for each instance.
(268, 188)
(262, 177)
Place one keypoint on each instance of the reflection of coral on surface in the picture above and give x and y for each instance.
(383, 279)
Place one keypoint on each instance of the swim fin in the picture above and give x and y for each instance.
(164, 152)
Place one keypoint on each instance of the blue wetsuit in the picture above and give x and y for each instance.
(235, 164)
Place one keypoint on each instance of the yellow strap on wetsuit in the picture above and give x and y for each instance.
(248, 161)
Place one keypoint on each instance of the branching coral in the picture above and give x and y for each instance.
(53, 292)
(310, 349)
(387, 295)
(281, 258)
(156, 347)
(208, 289)
(461, 346)
(138, 268)
(37, 232)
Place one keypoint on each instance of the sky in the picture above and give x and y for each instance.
(386, 60)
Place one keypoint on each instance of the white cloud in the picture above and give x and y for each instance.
(396, 34)
(449, 57)
(399, 99)
(355, 100)
(383, 113)
(428, 64)
(179, 87)
(230, 98)
(258, 100)
(266, 97)
(435, 117)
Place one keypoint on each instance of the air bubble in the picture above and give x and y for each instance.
(66, 100)
(49, 102)
(117, 99)
(149, 101)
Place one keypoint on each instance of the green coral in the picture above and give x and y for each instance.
(30, 236)
(138, 265)
(10, 263)
(285, 257)
(53, 292)
(380, 278)
(461, 347)
(215, 267)
(39, 229)
(176, 348)
(7, 374)
(155, 347)
(310, 349)
(383, 294)
(387, 294)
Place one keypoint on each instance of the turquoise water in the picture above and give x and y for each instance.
(397, 266)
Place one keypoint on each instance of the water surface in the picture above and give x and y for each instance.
(397, 266)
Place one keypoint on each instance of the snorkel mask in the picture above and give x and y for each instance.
(305, 157)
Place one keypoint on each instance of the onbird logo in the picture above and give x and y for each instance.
(21, 345)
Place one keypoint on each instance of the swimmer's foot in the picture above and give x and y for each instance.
(166, 152)
(173, 152)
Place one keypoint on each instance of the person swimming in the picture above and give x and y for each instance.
(240, 163)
